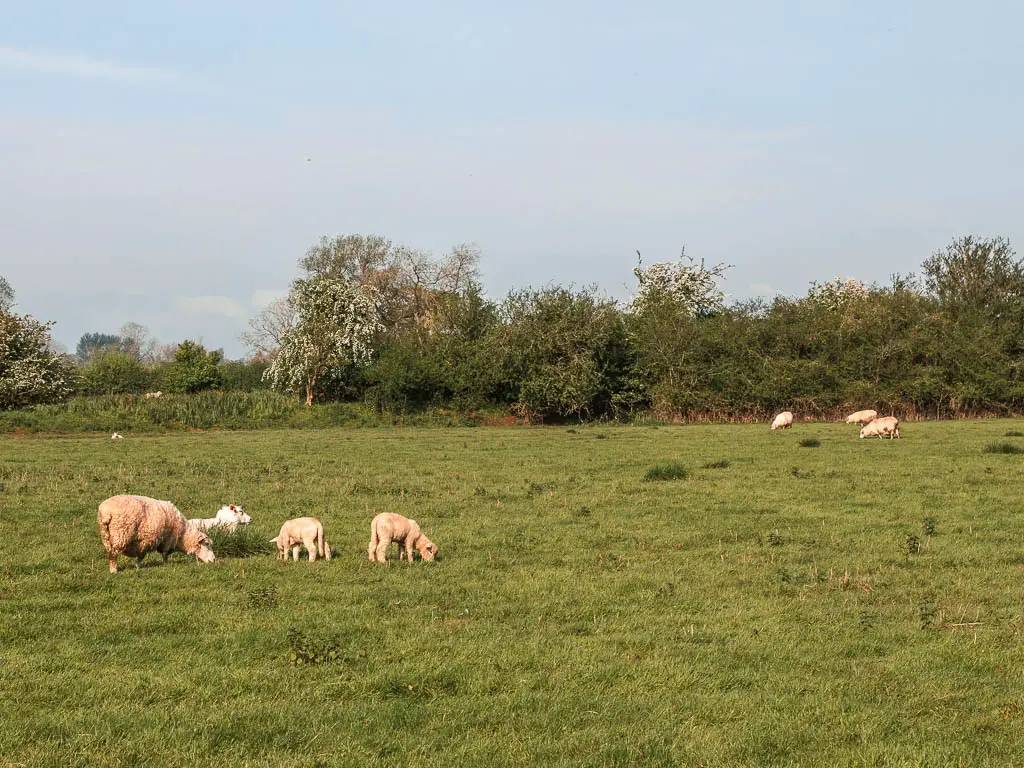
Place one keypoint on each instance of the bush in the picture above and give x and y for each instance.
(110, 372)
(194, 369)
(670, 470)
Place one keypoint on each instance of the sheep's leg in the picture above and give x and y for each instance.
(112, 559)
(311, 549)
(382, 549)
(408, 550)
(295, 552)
(138, 561)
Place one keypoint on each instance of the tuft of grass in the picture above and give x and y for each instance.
(1014, 433)
(928, 525)
(1007, 448)
(241, 542)
(601, 436)
(810, 442)
(720, 464)
(667, 470)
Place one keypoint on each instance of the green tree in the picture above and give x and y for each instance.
(336, 323)
(30, 373)
(112, 372)
(91, 343)
(194, 369)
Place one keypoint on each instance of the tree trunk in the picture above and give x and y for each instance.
(310, 381)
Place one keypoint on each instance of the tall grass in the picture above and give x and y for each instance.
(213, 410)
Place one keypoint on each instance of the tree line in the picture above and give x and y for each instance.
(403, 330)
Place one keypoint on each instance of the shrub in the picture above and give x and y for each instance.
(30, 373)
(111, 372)
(669, 470)
(194, 369)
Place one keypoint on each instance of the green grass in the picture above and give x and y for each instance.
(860, 608)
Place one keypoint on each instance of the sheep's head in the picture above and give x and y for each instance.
(231, 513)
(427, 548)
(199, 544)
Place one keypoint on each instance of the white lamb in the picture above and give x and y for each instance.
(228, 518)
(783, 421)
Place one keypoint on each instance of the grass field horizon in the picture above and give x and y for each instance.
(713, 595)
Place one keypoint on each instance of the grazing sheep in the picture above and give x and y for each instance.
(137, 525)
(887, 425)
(116, 436)
(228, 518)
(298, 532)
(153, 395)
(783, 421)
(387, 527)
(862, 417)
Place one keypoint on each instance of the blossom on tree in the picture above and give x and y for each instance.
(30, 372)
(685, 284)
(335, 323)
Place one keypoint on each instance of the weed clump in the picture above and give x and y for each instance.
(720, 464)
(1014, 433)
(241, 542)
(262, 597)
(810, 442)
(304, 649)
(928, 525)
(667, 470)
(1003, 448)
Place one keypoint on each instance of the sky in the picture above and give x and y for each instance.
(153, 156)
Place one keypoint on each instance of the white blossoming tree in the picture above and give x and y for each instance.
(30, 372)
(836, 295)
(685, 285)
(335, 323)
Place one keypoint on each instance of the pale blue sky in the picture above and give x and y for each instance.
(152, 155)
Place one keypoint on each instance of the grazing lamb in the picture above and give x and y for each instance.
(228, 518)
(783, 421)
(887, 425)
(387, 527)
(137, 525)
(153, 395)
(298, 532)
(862, 417)
(116, 436)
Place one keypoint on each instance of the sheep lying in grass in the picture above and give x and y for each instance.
(137, 525)
(887, 425)
(153, 395)
(387, 527)
(862, 417)
(301, 531)
(227, 518)
(783, 421)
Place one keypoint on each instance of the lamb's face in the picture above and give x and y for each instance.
(204, 549)
(427, 548)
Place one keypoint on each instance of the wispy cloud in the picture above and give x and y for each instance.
(211, 305)
(82, 67)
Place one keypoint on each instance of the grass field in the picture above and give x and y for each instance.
(754, 602)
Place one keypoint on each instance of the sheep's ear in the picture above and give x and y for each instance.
(231, 507)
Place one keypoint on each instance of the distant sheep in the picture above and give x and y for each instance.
(134, 526)
(153, 395)
(783, 421)
(116, 436)
(388, 527)
(887, 425)
(227, 518)
(862, 417)
(301, 531)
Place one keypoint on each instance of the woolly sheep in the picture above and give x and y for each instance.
(137, 525)
(387, 527)
(862, 417)
(887, 425)
(783, 421)
(228, 517)
(301, 531)
(153, 395)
